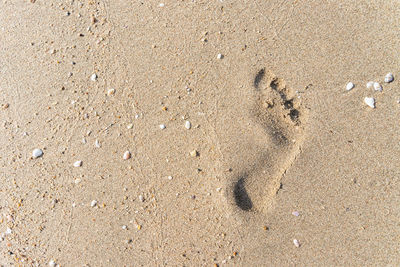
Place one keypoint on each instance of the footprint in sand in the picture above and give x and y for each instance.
(279, 111)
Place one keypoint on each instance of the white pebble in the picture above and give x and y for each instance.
(370, 85)
(93, 203)
(170, 177)
(377, 86)
(52, 263)
(349, 86)
(93, 77)
(389, 78)
(124, 227)
(110, 91)
(97, 143)
(127, 155)
(220, 56)
(161, 5)
(370, 101)
(78, 163)
(219, 189)
(129, 126)
(36, 153)
(141, 198)
(188, 125)
(84, 140)
(296, 243)
(162, 126)
(296, 213)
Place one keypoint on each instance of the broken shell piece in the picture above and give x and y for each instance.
(78, 163)
(296, 243)
(93, 77)
(349, 86)
(127, 155)
(110, 91)
(370, 101)
(377, 86)
(370, 85)
(389, 78)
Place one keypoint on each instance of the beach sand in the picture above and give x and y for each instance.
(273, 131)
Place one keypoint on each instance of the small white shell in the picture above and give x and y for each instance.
(52, 263)
(162, 126)
(36, 153)
(188, 125)
(296, 243)
(93, 77)
(110, 91)
(97, 143)
(370, 101)
(377, 86)
(220, 56)
(78, 163)
(295, 213)
(127, 155)
(370, 85)
(349, 86)
(389, 78)
(93, 203)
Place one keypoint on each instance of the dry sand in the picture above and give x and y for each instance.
(273, 131)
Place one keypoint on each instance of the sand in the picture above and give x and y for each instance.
(273, 131)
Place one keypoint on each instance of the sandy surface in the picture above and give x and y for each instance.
(273, 131)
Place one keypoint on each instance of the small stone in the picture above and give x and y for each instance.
(194, 153)
(6, 106)
(218, 189)
(188, 125)
(78, 163)
(169, 177)
(111, 92)
(161, 5)
(93, 203)
(93, 77)
(141, 198)
(127, 155)
(370, 85)
(36, 153)
(84, 140)
(370, 101)
(220, 56)
(296, 243)
(296, 213)
(377, 87)
(52, 263)
(97, 143)
(124, 227)
(349, 86)
(162, 126)
(129, 126)
(389, 78)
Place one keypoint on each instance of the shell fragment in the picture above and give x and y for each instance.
(389, 78)
(370, 101)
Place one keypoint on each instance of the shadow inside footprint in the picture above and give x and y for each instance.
(242, 199)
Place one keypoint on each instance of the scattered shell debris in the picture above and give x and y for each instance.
(93, 77)
(78, 163)
(349, 86)
(389, 78)
(36, 153)
(296, 243)
(370, 101)
(377, 87)
(188, 125)
(127, 155)
(162, 126)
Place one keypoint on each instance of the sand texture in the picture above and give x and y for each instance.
(199, 133)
